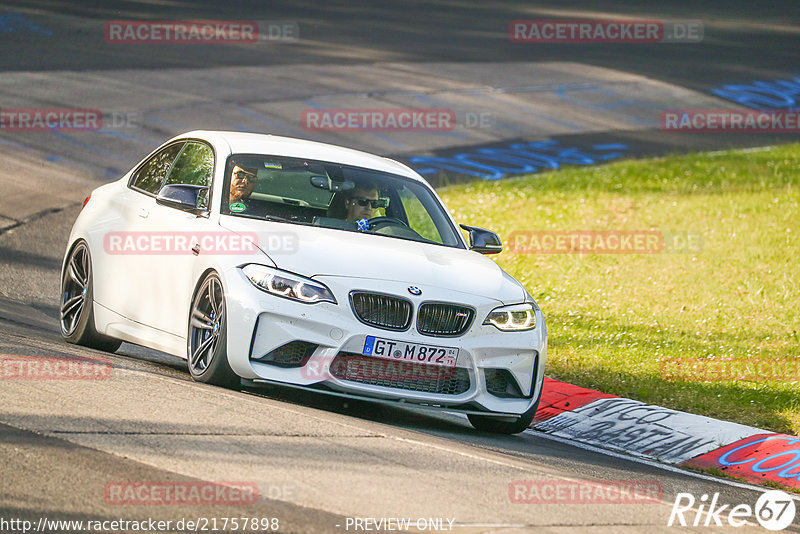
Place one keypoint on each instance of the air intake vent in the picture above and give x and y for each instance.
(400, 375)
(500, 383)
(381, 311)
(293, 354)
(444, 320)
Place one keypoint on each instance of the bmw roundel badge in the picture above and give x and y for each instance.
(414, 290)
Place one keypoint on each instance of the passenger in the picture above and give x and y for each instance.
(243, 182)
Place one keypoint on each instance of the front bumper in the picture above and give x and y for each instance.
(259, 323)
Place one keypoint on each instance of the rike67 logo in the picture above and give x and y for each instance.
(774, 510)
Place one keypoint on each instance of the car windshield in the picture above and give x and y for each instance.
(332, 195)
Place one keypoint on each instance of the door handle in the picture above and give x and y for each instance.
(143, 213)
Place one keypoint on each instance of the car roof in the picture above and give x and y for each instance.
(254, 143)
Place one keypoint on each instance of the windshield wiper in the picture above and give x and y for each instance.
(275, 218)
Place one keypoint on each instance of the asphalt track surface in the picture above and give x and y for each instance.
(316, 460)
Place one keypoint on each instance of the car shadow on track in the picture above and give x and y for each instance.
(407, 417)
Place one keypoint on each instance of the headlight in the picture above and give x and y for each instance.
(513, 318)
(290, 286)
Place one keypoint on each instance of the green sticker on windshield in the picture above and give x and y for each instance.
(273, 165)
(238, 207)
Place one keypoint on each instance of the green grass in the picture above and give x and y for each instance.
(613, 320)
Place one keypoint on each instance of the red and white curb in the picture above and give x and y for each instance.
(633, 427)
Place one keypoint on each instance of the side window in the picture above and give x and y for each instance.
(151, 175)
(195, 165)
(419, 219)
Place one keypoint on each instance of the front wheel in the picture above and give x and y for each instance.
(77, 301)
(207, 342)
(497, 426)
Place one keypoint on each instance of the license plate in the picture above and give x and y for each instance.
(410, 352)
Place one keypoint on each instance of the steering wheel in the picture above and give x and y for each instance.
(378, 222)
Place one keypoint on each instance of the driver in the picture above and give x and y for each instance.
(361, 203)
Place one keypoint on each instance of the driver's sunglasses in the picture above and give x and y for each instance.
(245, 176)
(375, 203)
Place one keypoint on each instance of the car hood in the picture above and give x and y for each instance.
(328, 252)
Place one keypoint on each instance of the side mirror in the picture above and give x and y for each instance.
(186, 197)
(483, 241)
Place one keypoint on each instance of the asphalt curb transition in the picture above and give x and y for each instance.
(644, 430)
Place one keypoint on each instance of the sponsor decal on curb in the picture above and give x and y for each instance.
(167, 243)
(604, 31)
(16, 367)
(585, 491)
(148, 493)
(757, 458)
(638, 428)
(559, 397)
(774, 510)
(729, 121)
(378, 120)
(729, 369)
(588, 416)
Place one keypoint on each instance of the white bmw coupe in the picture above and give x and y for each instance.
(263, 259)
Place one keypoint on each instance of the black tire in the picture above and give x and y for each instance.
(498, 426)
(207, 355)
(76, 313)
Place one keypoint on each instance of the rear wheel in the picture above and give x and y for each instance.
(76, 312)
(207, 342)
(497, 425)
